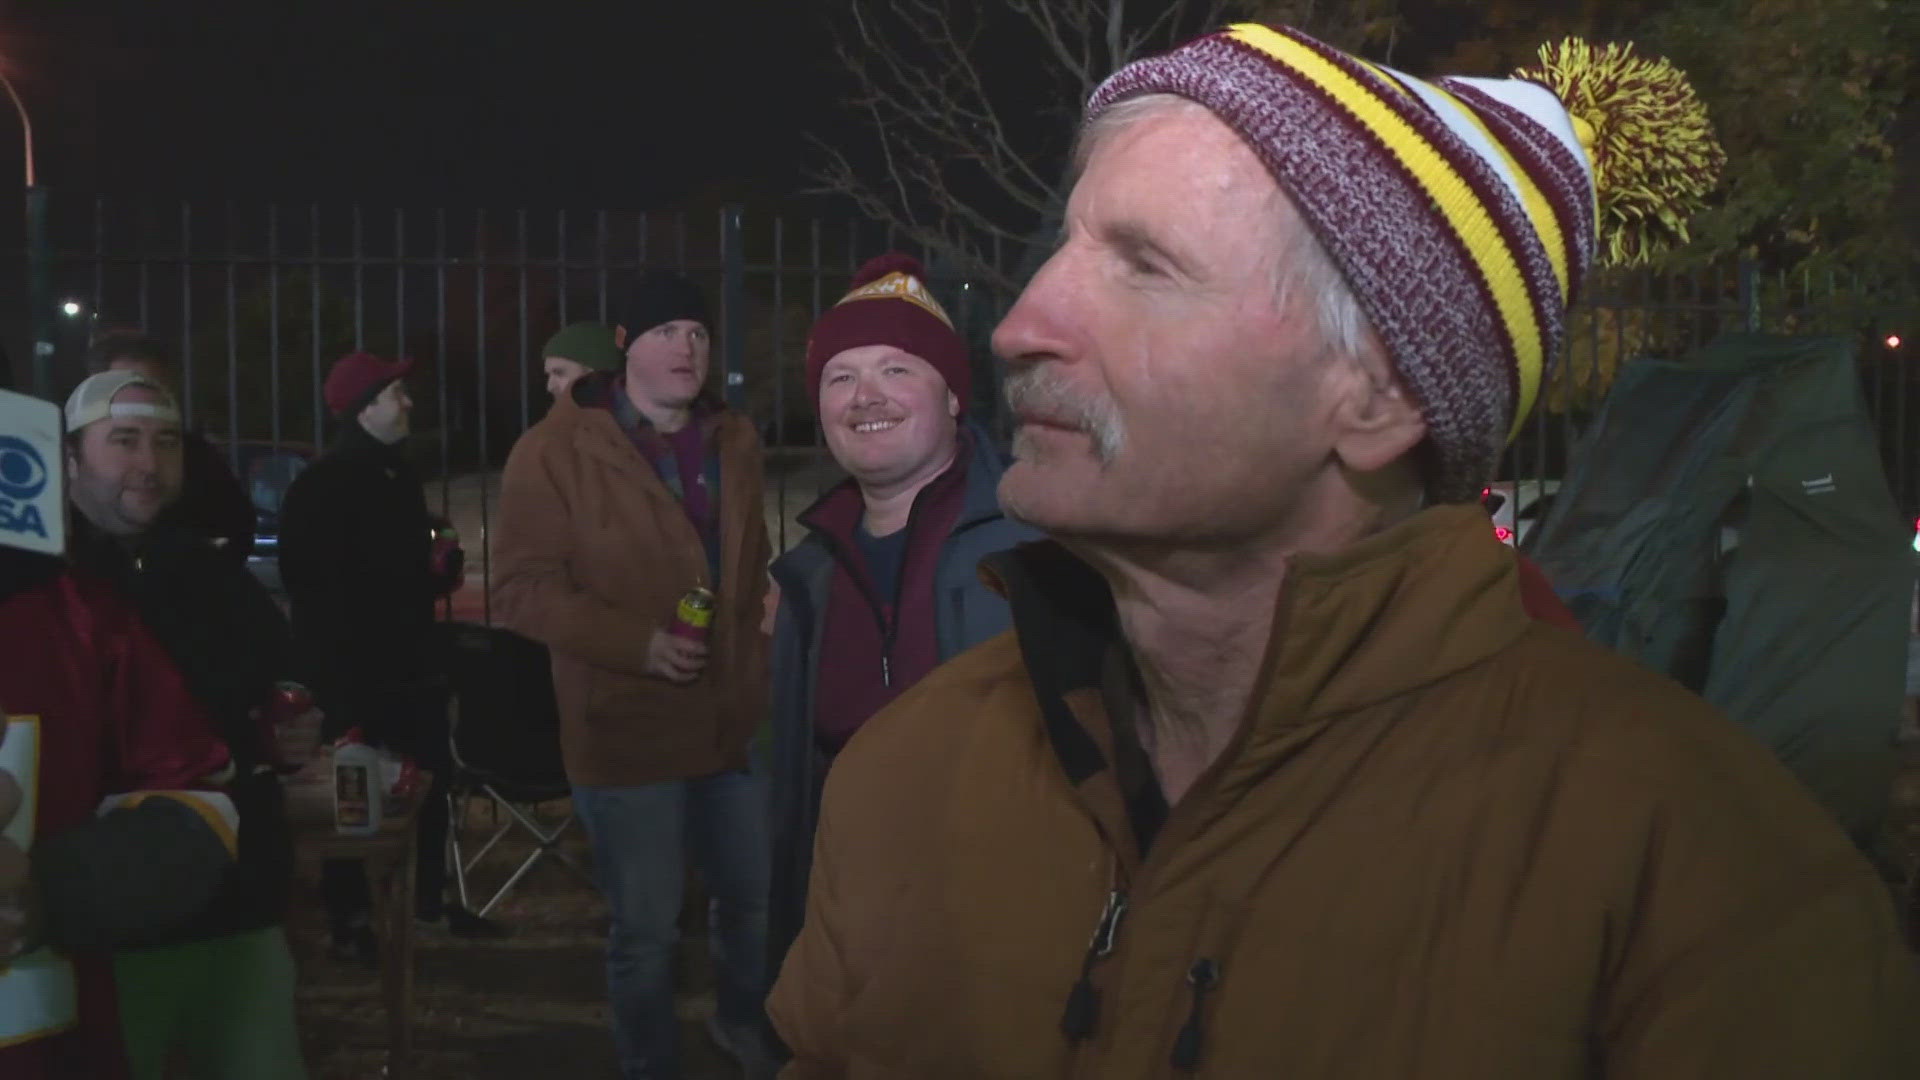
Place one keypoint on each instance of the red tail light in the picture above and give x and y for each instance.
(1503, 533)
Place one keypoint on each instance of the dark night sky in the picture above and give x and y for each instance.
(502, 103)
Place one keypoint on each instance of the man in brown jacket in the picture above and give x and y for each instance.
(633, 491)
(1274, 776)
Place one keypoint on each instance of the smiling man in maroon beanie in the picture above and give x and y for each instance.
(884, 588)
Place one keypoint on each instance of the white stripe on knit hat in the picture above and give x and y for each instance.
(1527, 190)
(1540, 106)
(1462, 123)
(1536, 103)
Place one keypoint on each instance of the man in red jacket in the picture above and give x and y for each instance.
(104, 840)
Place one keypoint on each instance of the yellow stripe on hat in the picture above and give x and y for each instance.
(1546, 225)
(1471, 221)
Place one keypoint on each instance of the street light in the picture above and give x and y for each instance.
(39, 271)
(1893, 341)
(26, 123)
(71, 309)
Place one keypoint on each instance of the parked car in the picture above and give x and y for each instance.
(267, 469)
(1518, 508)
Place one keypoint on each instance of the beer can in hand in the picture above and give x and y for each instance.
(693, 617)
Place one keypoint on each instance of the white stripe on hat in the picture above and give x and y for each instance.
(144, 410)
(1451, 113)
(1540, 106)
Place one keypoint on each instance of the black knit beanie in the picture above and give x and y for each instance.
(661, 296)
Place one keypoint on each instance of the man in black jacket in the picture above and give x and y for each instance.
(356, 555)
(212, 499)
(224, 993)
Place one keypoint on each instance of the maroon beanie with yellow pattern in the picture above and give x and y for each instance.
(890, 304)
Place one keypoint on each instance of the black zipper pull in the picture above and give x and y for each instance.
(1202, 976)
(886, 670)
(1083, 1001)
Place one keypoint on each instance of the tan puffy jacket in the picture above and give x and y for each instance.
(1447, 842)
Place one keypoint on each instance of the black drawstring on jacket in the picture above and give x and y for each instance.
(1083, 1001)
(1186, 1049)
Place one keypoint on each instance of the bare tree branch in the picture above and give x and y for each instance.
(1045, 17)
(960, 165)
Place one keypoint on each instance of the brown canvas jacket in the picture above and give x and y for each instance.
(1447, 842)
(591, 554)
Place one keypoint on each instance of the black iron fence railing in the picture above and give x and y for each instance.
(257, 301)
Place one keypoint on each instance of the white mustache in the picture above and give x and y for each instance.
(1039, 392)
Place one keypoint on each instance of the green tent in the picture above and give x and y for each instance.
(1727, 522)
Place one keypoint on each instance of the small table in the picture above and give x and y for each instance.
(389, 857)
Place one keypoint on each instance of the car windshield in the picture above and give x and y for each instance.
(269, 476)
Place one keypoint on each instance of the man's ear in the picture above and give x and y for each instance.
(953, 405)
(1378, 420)
(620, 337)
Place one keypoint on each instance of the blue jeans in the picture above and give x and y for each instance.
(637, 835)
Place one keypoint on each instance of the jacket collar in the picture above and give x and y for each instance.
(1414, 604)
(585, 414)
(591, 409)
(985, 464)
(96, 549)
(838, 510)
(354, 439)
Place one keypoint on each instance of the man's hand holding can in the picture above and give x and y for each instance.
(678, 654)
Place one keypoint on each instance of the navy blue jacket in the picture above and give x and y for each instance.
(967, 613)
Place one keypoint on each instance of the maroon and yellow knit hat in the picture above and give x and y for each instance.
(1463, 213)
(889, 304)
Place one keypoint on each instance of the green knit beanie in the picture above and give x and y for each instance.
(587, 343)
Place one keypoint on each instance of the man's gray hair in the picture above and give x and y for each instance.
(1302, 271)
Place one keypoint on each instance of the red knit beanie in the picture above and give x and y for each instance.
(889, 305)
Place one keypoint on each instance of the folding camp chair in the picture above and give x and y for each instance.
(505, 744)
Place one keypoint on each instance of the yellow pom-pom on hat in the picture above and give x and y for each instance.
(1651, 148)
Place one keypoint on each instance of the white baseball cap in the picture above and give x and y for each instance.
(93, 400)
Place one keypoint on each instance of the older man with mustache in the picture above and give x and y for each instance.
(1275, 776)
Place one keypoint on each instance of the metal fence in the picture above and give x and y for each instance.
(260, 299)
